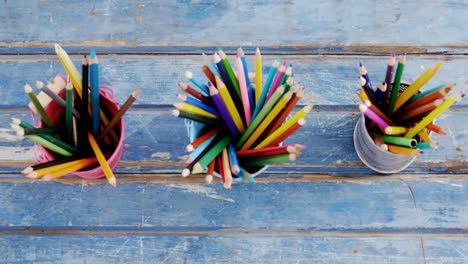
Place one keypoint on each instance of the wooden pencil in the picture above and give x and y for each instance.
(45, 118)
(69, 169)
(84, 105)
(194, 117)
(117, 116)
(190, 147)
(224, 112)
(258, 75)
(206, 70)
(226, 170)
(186, 88)
(102, 160)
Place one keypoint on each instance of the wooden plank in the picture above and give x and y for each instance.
(152, 147)
(331, 81)
(228, 249)
(339, 206)
(298, 23)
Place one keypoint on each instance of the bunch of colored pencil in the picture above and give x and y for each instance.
(401, 116)
(245, 121)
(79, 135)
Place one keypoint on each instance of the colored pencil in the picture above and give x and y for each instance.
(37, 173)
(206, 70)
(380, 92)
(436, 129)
(47, 144)
(267, 120)
(276, 81)
(226, 170)
(424, 136)
(209, 172)
(54, 86)
(54, 162)
(226, 81)
(365, 75)
(233, 162)
(102, 160)
(211, 154)
(39, 131)
(195, 110)
(195, 80)
(416, 85)
(234, 111)
(117, 116)
(265, 89)
(95, 104)
(400, 141)
(419, 110)
(194, 117)
(186, 88)
(439, 94)
(286, 110)
(226, 116)
(388, 79)
(190, 147)
(68, 112)
(76, 166)
(258, 75)
(55, 97)
(283, 158)
(202, 148)
(283, 132)
(267, 151)
(55, 141)
(232, 77)
(403, 151)
(370, 94)
(210, 64)
(258, 119)
(424, 93)
(396, 85)
(433, 114)
(373, 116)
(378, 140)
(45, 118)
(240, 53)
(243, 89)
(395, 130)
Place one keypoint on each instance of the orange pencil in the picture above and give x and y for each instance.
(200, 140)
(208, 74)
(439, 94)
(420, 110)
(404, 151)
(436, 129)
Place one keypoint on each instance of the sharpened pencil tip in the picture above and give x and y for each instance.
(208, 178)
(112, 181)
(39, 84)
(185, 172)
(27, 88)
(188, 74)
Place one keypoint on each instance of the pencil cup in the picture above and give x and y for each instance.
(372, 156)
(110, 106)
(194, 130)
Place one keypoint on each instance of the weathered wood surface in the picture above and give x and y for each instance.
(331, 81)
(344, 24)
(327, 207)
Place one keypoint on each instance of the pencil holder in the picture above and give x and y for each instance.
(236, 124)
(398, 118)
(110, 106)
(373, 156)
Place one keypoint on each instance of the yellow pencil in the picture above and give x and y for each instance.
(102, 160)
(433, 114)
(258, 75)
(293, 120)
(75, 78)
(404, 151)
(416, 85)
(195, 110)
(224, 93)
(424, 136)
(395, 130)
(268, 119)
(48, 170)
(76, 166)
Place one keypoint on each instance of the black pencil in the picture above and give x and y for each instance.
(84, 120)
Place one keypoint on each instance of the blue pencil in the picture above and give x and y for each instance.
(211, 65)
(195, 80)
(233, 162)
(94, 82)
(200, 104)
(198, 150)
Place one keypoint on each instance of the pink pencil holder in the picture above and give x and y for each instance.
(56, 112)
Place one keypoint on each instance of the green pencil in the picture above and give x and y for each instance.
(229, 71)
(396, 85)
(211, 154)
(45, 118)
(283, 158)
(261, 115)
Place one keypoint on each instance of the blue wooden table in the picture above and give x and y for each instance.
(326, 207)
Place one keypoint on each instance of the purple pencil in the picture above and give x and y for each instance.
(276, 81)
(223, 110)
(388, 80)
(373, 116)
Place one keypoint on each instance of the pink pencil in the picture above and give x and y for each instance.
(373, 116)
(243, 89)
(276, 81)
